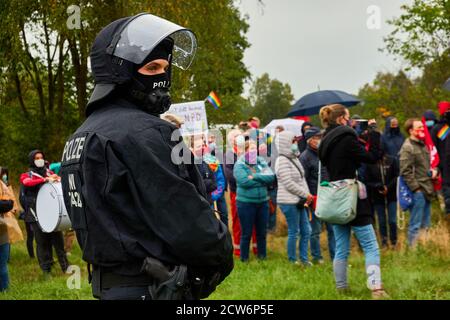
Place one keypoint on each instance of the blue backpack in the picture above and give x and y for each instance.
(404, 194)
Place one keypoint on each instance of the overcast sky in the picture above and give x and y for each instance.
(312, 43)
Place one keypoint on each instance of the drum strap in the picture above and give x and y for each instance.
(34, 214)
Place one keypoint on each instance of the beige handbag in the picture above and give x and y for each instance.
(9, 219)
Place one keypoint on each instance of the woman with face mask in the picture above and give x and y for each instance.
(293, 194)
(253, 176)
(342, 154)
(37, 175)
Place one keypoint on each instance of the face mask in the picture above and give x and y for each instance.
(395, 130)
(420, 134)
(212, 146)
(39, 163)
(294, 148)
(251, 157)
(254, 124)
(429, 123)
(5, 179)
(151, 92)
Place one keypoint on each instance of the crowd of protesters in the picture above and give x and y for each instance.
(261, 171)
(266, 170)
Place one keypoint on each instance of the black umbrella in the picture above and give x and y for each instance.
(447, 85)
(311, 103)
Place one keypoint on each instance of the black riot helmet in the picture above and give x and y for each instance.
(125, 45)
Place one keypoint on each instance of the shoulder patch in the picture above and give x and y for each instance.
(73, 150)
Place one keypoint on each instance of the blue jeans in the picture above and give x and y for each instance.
(316, 230)
(420, 217)
(392, 221)
(4, 257)
(272, 223)
(253, 214)
(368, 242)
(223, 209)
(297, 220)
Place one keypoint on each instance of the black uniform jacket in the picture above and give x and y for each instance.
(127, 199)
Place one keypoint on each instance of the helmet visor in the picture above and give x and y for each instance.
(146, 31)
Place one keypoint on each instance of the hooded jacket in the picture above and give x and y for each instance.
(391, 142)
(32, 182)
(291, 176)
(342, 154)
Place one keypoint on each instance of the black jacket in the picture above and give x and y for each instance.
(229, 161)
(443, 151)
(342, 154)
(374, 181)
(310, 162)
(208, 179)
(128, 200)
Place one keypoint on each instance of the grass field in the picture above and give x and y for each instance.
(422, 273)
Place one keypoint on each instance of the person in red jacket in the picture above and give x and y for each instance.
(32, 180)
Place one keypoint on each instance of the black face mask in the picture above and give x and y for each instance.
(151, 92)
(395, 130)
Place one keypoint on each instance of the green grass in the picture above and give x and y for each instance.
(407, 274)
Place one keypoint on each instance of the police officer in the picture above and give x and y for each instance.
(128, 201)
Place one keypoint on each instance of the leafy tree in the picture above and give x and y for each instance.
(270, 99)
(45, 79)
(422, 32)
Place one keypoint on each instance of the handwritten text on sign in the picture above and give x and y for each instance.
(194, 116)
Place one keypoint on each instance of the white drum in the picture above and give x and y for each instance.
(50, 209)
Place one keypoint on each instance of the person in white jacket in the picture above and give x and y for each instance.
(293, 195)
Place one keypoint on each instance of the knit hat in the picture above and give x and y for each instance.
(429, 115)
(312, 132)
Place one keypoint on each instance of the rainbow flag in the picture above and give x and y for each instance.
(442, 134)
(214, 100)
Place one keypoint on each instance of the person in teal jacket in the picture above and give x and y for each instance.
(253, 176)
